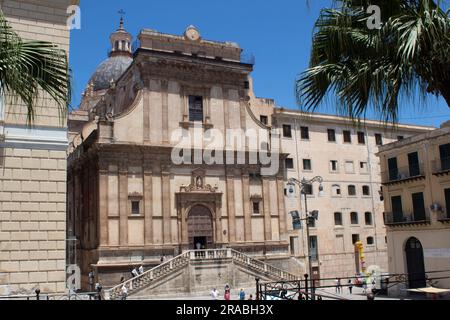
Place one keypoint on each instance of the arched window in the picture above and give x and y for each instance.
(351, 190)
(354, 218)
(336, 190)
(366, 190)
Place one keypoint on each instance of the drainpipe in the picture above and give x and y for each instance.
(374, 192)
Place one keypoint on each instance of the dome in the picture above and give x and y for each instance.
(110, 69)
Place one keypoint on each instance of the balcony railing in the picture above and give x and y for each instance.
(444, 216)
(402, 174)
(399, 218)
(441, 165)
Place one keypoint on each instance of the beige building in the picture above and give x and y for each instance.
(416, 189)
(33, 169)
(350, 210)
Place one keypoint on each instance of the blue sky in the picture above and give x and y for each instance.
(277, 33)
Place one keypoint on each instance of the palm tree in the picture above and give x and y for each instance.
(28, 68)
(372, 69)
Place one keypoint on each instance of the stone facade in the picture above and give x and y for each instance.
(417, 200)
(33, 166)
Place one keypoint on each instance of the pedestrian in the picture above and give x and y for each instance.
(350, 286)
(215, 294)
(124, 292)
(374, 286)
(250, 297)
(122, 279)
(242, 295)
(227, 287)
(163, 258)
(141, 269)
(135, 273)
(198, 245)
(339, 285)
(364, 285)
(227, 295)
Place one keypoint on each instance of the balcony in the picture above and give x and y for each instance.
(441, 167)
(403, 219)
(444, 217)
(404, 174)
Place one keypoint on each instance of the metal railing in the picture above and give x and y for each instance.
(404, 173)
(391, 218)
(441, 165)
(444, 215)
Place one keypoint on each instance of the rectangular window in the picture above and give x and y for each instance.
(287, 131)
(351, 191)
(414, 167)
(354, 218)
(331, 135)
(419, 207)
(364, 167)
(447, 202)
(256, 207)
(313, 248)
(135, 207)
(308, 189)
(393, 169)
(304, 133)
(195, 108)
(264, 120)
(361, 138)
(349, 167)
(347, 137)
(334, 165)
(289, 163)
(293, 242)
(307, 164)
(366, 190)
(397, 208)
(355, 238)
(378, 139)
(368, 218)
(338, 218)
(444, 151)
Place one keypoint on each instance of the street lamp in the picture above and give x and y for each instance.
(309, 217)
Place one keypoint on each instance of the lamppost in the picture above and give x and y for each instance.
(309, 217)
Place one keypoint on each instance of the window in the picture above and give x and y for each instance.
(361, 138)
(351, 190)
(393, 169)
(304, 133)
(364, 167)
(347, 137)
(413, 162)
(289, 163)
(397, 208)
(334, 165)
(313, 250)
(447, 202)
(256, 207)
(308, 189)
(246, 84)
(331, 135)
(400, 138)
(368, 218)
(444, 151)
(378, 139)
(264, 120)
(336, 190)
(135, 207)
(195, 108)
(349, 167)
(307, 164)
(355, 238)
(338, 218)
(418, 207)
(354, 218)
(366, 190)
(370, 241)
(287, 131)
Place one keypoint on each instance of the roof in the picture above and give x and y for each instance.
(110, 70)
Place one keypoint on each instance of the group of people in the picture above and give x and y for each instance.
(350, 286)
(227, 294)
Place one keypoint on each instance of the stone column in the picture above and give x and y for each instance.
(146, 130)
(103, 203)
(184, 225)
(167, 219)
(231, 208)
(123, 204)
(281, 208)
(247, 206)
(219, 223)
(148, 207)
(267, 214)
(165, 110)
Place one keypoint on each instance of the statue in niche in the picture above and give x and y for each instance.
(199, 183)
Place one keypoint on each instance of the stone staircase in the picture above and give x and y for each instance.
(163, 271)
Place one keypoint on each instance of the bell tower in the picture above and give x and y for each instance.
(121, 40)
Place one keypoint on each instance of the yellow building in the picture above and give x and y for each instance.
(416, 189)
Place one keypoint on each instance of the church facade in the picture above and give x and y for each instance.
(171, 151)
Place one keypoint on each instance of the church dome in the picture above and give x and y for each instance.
(110, 70)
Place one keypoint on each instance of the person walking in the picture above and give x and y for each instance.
(250, 297)
(227, 295)
(124, 292)
(215, 294)
(163, 258)
(135, 273)
(242, 295)
(339, 285)
(350, 286)
(141, 269)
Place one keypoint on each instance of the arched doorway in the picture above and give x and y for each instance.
(200, 228)
(415, 264)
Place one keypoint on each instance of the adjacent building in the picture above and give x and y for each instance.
(33, 164)
(416, 190)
